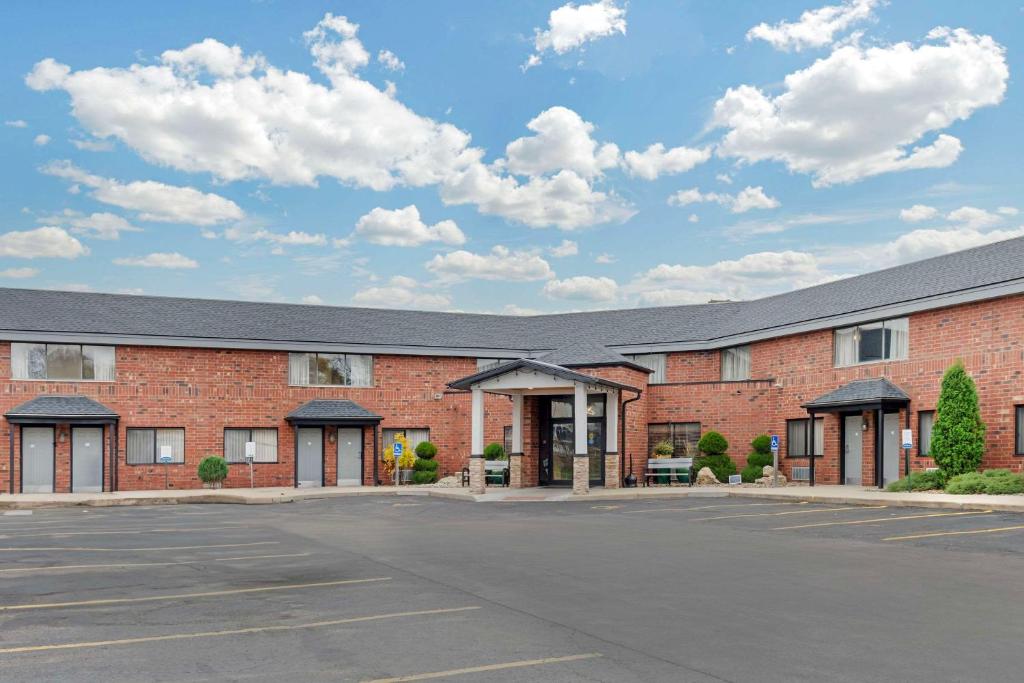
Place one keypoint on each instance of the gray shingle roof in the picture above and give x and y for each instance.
(540, 366)
(61, 406)
(209, 321)
(873, 390)
(332, 410)
(587, 353)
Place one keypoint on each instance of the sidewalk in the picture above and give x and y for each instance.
(836, 495)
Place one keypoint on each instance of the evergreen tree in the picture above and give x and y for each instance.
(958, 437)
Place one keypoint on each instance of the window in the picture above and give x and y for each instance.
(925, 422)
(736, 363)
(508, 439)
(796, 437)
(885, 340)
(414, 436)
(682, 435)
(62, 361)
(144, 445)
(235, 440)
(653, 361)
(488, 363)
(1019, 449)
(330, 369)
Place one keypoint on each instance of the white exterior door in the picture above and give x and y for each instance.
(350, 456)
(37, 459)
(891, 448)
(86, 459)
(310, 465)
(853, 450)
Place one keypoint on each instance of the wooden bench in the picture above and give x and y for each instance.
(495, 472)
(670, 467)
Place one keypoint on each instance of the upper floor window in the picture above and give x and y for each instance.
(653, 361)
(736, 363)
(62, 361)
(488, 363)
(330, 369)
(883, 340)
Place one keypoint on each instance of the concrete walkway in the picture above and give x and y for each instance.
(838, 495)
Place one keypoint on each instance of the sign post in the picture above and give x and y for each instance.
(250, 457)
(908, 443)
(396, 450)
(775, 460)
(165, 458)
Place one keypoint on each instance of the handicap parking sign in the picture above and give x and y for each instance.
(775, 442)
(396, 449)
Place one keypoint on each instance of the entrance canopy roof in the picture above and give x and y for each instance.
(63, 409)
(332, 412)
(526, 376)
(860, 394)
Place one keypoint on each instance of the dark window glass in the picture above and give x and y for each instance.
(683, 436)
(797, 437)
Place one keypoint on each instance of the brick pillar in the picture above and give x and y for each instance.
(477, 476)
(580, 475)
(515, 470)
(612, 476)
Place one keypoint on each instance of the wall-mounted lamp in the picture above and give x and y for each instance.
(863, 423)
(332, 437)
(63, 436)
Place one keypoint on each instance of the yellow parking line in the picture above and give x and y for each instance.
(134, 550)
(881, 519)
(711, 507)
(231, 632)
(791, 512)
(185, 596)
(117, 565)
(119, 532)
(486, 667)
(954, 533)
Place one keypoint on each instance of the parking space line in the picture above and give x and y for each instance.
(881, 519)
(138, 550)
(188, 596)
(119, 532)
(792, 512)
(231, 632)
(954, 533)
(712, 507)
(486, 667)
(116, 565)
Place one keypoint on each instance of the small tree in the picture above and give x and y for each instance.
(760, 456)
(425, 466)
(494, 451)
(213, 470)
(958, 436)
(715, 456)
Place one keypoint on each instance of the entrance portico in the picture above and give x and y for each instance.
(571, 416)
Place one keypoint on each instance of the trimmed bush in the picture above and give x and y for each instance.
(958, 437)
(664, 449)
(421, 477)
(422, 465)
(494, 451)
(995, 482)
(919, 481)
(759, 457)
(752, 472)
(719, 463)
(762, 444)
(213, 470)
(713, 443)
(424, 471)
(426, 450)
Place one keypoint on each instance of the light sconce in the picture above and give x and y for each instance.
(332, 437)
(63, 436)
(864, 423)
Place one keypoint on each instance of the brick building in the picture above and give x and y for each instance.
(113, 392)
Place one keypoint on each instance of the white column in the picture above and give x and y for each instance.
(580, 419)
(611, 411)
(476, 444)
(517, 423)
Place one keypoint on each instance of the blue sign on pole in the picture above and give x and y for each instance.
(396, 449)
(775, 442)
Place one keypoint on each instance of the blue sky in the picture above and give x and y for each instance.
(501, 157)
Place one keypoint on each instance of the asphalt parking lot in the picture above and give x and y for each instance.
(411, 588)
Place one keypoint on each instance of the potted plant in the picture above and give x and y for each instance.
(663, 449)
(213, 470)
(406, 461)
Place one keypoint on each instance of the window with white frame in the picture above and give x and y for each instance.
(330, 369)
(62, 362)
(488, 363)
(264, 438)
(736, 363)
(871, 342)
(797, 437)
(414, 437)
(145, 445)
(925, 422)
(652, 361)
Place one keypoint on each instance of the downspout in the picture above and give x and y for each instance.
(622, 449)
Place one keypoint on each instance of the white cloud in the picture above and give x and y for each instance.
(390, 61)
(152, 201)
(724, 178)
(917, 213)
(101, 226)
(45, 242)
(605, 259)
(16, 123)
(19, 273)
(914, 246)
(816, 27)
(41, 140)
(562, 141)
(656, 160)
(400, 292)
(515, 309)
(312, 300)
(93, 145)
(500, 264)
(973, 217)
(582, 288)
(745, 200)
(291, 238)
(1008, 210)
(864, 111)
(571, 26)
(566, 248)
(158, 260)
(405, 228)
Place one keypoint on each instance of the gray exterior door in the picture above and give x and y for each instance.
(86, 459)
(311, 456)
(350, 456)
(891, 448)
(853, 450)
(37, 459)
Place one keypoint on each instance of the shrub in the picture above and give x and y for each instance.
(213, 470)
(426, 450)
(424, 471)
(762, 444)
(919, 481)
(995, 482)
(758, 459)
(664, 449)
(406, 460)
(494, 451)
(422, 465)
(713, 443)
(421, 477)
(752, 472)
(958, 437)
(719, 463)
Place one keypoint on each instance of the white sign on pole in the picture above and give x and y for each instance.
(165, 455)
(908, 439)
(250, 450)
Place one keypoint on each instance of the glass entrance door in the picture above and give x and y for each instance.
(558, 440)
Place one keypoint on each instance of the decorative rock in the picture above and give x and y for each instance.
(768, 479)
(706, 477)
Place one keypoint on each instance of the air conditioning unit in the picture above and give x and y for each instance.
(801, 474)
